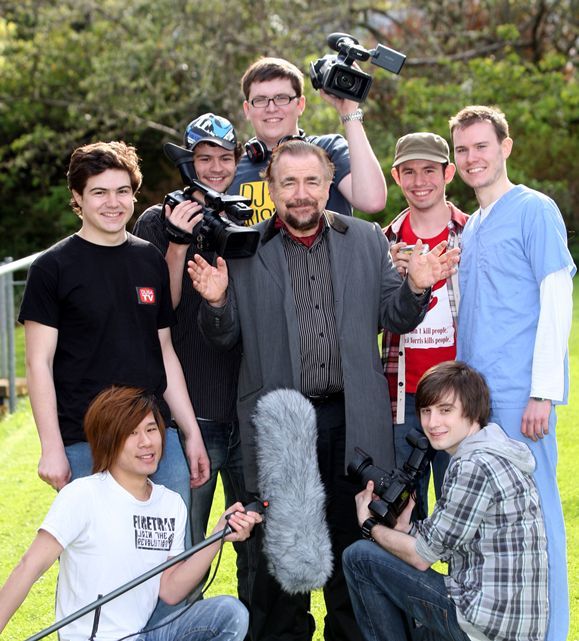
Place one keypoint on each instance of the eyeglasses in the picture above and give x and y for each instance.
(281, 100)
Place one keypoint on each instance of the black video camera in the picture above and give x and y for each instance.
(394, 488)
(335, 74)
(213, 233)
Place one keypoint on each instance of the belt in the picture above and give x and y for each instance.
(321, 399)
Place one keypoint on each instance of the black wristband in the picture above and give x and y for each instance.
(177, 235)
(367, 528)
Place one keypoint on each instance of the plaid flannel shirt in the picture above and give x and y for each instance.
(393, 352)
(488, 527)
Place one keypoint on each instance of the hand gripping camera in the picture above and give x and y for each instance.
(335, 74)
(213, 233)
(393, 488)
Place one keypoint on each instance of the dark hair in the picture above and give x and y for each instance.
(96, 158)
(461, 380)
(481, 113)
(111, 417)
(266, 69)
(237, 152)
(298, 147)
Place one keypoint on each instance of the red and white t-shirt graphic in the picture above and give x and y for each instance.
(437, 329)
(433, 341)
(146, 296)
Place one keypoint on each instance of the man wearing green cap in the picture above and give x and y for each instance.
(422, 169)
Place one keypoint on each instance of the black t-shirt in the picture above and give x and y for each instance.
(211, 374)
(108, 304)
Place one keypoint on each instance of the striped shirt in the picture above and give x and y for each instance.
(311, 278)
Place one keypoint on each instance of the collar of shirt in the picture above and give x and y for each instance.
(308, 241)
(456, 223)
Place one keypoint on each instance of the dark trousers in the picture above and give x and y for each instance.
(223, 446)
(279, 616)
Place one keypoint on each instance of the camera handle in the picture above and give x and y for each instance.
(257, 506)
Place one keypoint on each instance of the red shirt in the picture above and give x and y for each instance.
(434, 340)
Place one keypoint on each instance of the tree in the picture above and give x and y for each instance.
(85, 70)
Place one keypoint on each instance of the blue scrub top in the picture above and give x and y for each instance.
(503, 262)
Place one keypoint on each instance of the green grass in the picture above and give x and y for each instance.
(25, 499)
(19, 350)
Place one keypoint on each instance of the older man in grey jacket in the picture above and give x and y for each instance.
(306, 309)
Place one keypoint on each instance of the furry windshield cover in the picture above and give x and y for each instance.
(296, 538)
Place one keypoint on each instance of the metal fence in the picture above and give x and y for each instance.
(8, 322)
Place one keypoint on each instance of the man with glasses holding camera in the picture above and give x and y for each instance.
(274, 101)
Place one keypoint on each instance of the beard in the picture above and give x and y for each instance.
(304, 223)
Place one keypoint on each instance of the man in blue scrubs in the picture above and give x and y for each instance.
(515, 314)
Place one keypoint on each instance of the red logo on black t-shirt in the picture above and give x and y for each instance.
(146, 295)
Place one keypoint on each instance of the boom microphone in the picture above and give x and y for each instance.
(296, 536)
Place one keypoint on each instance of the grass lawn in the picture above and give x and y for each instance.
(25, 499)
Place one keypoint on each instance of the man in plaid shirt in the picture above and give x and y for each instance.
(422, 169)
(488, 526)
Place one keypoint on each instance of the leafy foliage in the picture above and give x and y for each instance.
(82, 70)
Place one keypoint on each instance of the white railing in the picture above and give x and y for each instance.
(8, 323)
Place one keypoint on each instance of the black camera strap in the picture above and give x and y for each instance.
(176, 234)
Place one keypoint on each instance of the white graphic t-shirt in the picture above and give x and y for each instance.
(109, 538)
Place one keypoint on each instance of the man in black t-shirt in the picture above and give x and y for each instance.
(96, 312)
(211, 374)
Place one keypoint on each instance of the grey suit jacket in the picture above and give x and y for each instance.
(260, 312)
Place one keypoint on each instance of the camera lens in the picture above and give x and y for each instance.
(345, 81)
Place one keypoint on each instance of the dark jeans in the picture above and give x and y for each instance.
(403, 450)
(276, 615)
(224, 450)
(394, 601)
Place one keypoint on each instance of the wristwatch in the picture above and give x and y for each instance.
(355, 115)
(367, 528)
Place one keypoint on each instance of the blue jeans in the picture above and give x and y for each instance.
(173, 472)
(222, 618)
(545, 452)
(223, 446)
(394, 601)
(403, 450)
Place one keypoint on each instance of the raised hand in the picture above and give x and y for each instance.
(211, 282)
(425, 270)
